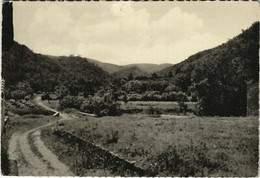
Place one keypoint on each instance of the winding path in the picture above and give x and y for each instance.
(39, 162)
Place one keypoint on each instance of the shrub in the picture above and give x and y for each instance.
(172, 87)
(18, 94)
(61, 91)
(180, 96)
(178, 162)
(101, 106)
(182, 107)
(112, 138)
(153, 111)
(71, 102)
(45, 96)
(26, 111)
(27, 98)
(19, 91)
(134, 97)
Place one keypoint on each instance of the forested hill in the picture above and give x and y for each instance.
(133, 71)
(21, 66)
(219, 76)
(243, 46)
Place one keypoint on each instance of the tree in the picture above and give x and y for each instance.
(220, 89)
(130, 76)
(170, 74)
(154, 75)
(61, 91)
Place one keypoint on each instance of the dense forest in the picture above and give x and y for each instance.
(25, 71)
(219, 76)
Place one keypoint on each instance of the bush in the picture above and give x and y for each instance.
(101, 106)
(18, 94)
(172, 87)
(26, 111)
(180, 96)
(19, 91)
(153, 111)
(178, 162)
(71, 102)
(27, 98)
(134, 97)
(112, 138)
(183, 108)
(45, 96)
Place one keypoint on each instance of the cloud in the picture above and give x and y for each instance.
(118, 34)
(135, 37)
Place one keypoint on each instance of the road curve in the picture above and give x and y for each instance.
(39, 162)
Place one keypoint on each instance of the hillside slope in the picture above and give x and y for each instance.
(127, 71)
(149, 68)
(108, 67)
(145, 67)
(219, 76)
(244, 46)
(44, 73)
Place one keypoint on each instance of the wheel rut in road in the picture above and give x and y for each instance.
(29, 163)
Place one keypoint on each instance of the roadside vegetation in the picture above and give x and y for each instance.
(20, 120)
(179, 146)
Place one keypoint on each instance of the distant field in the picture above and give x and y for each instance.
(165, 107)
(177, 145)
(23, 107)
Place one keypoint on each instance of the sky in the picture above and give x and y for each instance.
(130, 32)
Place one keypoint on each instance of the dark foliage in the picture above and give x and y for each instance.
(7, 25)
(44, 73)
(178, 162)
(153, 111)
(71, 102)
(183, 108)
(219, 76)
(102, 106)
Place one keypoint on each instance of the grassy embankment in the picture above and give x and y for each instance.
(175, 146)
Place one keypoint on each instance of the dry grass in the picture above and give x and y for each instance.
(203, 146)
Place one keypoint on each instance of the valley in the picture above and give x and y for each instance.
(70, 115)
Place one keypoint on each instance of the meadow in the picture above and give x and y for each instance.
(177, 145)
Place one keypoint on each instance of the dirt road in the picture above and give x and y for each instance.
(33, 157)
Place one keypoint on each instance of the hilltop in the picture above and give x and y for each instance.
(146, 68)
(126, 72)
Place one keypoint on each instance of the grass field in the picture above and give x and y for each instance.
(180, 146)
(164, 107)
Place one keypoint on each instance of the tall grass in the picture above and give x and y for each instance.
(212, 146)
